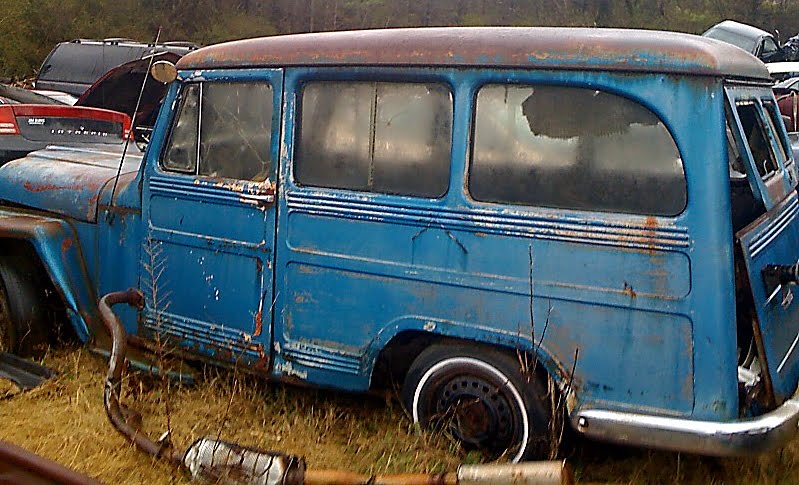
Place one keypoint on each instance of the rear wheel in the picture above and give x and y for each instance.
(23, 310)
(481, 397)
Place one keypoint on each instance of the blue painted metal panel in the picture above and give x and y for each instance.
(353, 269)
(59, 246)
(65, 180)
(775, 240)
(215, 248)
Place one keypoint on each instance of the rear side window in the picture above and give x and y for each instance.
(573, 148)
(222, 130)
(769, 47)
(392, 138)
(755, 134)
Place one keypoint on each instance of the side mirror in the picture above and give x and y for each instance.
(163, 71)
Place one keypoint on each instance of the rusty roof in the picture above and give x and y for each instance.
(520, 47)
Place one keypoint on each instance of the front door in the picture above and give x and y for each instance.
(209, 200)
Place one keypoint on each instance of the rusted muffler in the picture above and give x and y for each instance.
(221, 462)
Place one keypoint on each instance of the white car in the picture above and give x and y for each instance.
(780, 71)
(59, 96)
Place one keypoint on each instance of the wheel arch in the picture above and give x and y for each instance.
(394, 352)
(55, 244)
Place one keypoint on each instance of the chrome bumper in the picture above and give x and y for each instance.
(745, 436)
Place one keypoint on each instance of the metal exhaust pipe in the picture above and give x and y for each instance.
(221, 462)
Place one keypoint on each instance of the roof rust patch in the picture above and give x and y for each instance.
(524, 47)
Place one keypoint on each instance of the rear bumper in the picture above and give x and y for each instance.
(729, 438)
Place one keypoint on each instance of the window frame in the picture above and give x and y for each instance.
(176, 112)
(270, 77)
(536, 82)
(763, 124)
(772, 189)
(440, 77)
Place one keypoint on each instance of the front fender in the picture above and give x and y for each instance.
(56, 243)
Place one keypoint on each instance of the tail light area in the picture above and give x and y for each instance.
(65, 124)
(8, 121)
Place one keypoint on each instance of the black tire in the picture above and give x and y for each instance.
(23, 309)
(480, 395)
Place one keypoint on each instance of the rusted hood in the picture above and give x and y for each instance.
(65, 180)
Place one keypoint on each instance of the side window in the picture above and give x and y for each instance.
(755, 135)
(737, 168)
(573, 148)
(769, 46)
(772, 115)
(181, 151)
(234, 123)
(383, 137)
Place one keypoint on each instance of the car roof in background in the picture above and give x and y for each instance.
(739, 28)
(525, 47)
(86, 60)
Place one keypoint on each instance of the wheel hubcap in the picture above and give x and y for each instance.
(477, 413)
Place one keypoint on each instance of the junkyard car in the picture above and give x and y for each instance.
(780, 71)
(514, 223)
(787, 94)
(30, 121)
(756, 41)
(75, 65)
(120, 89)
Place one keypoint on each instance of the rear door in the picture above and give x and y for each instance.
(210, 207)
(773, 238)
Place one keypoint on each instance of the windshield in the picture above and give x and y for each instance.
(746, 43)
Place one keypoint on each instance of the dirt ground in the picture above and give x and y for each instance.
(64, 420)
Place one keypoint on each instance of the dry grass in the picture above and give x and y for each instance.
(64, 420)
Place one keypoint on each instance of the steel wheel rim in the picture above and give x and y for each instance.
(518, 442)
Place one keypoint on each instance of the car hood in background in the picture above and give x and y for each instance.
(119, 89)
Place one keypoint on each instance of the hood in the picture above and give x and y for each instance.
(66, 180)
(119, 88)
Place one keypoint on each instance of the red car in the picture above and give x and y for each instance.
(29, 122)
(787, 94)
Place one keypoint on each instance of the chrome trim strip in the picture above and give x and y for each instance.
(730, 438)
(321, 358)
(773, 295)
(774, 229)
(788, 354)
(634, 234)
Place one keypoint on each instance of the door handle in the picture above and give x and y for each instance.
(777, 278)
(261, 199)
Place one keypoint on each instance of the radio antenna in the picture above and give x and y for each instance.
(133, 118)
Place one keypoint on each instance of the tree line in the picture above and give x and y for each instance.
(32, 27)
